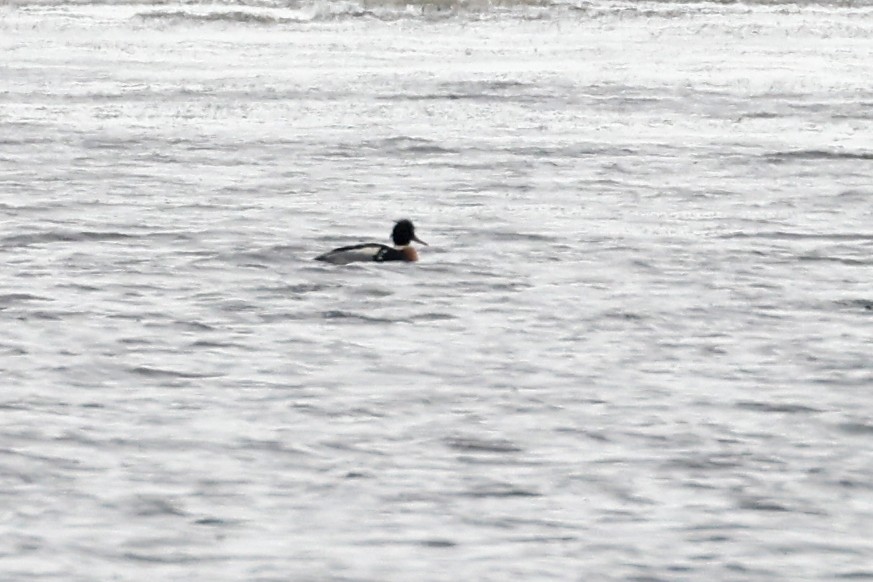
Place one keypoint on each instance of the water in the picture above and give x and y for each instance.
(638, 346)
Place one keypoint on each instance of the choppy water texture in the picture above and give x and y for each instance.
(638, 347)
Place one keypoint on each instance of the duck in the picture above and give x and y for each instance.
(402, 234)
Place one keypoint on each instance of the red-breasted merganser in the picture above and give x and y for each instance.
(402, 235)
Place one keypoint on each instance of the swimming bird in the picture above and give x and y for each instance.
(402, 235)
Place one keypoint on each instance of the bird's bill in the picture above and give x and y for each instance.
(419, 241)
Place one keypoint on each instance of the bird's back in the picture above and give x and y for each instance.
(362, 253)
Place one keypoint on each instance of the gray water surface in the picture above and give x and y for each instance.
(638, 346)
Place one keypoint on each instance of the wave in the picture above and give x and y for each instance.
(394, 146)
(255, 12)
(784, 235)
(814, 154)
(856, 304)
(271, 12)
(301, 4)
(56, 236)
(315, 7)
(181, 16)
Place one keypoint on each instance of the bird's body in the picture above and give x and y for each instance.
(402, 235)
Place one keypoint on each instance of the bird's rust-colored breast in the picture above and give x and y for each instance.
(410, 254)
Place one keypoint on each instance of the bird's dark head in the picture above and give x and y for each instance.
(404, 233)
